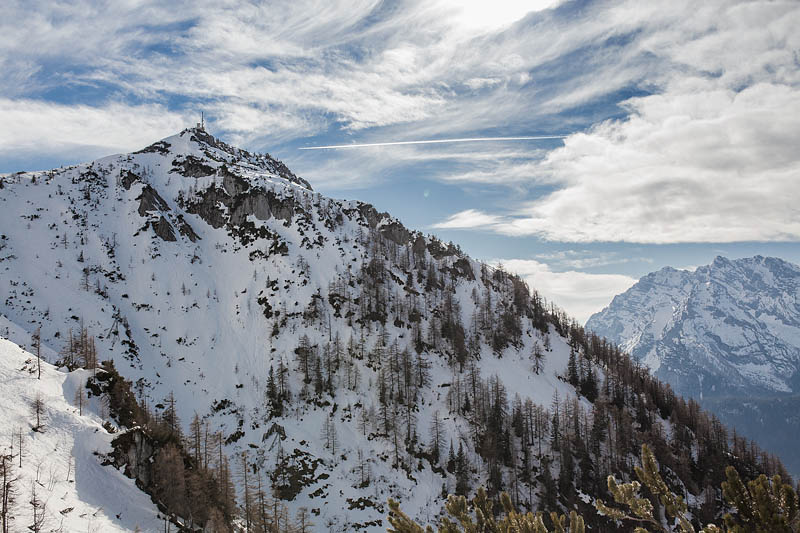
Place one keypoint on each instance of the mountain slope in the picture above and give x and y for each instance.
(727, 333)
(58, 459)
(343, 358)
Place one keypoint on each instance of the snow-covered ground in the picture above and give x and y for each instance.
(60, 461)
(204, 315)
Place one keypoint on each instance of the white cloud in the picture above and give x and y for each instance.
(714, 144)
(30, 125)
(705, 166)
(471, 218)
(582, 259)
(710, 157)
(580, 294)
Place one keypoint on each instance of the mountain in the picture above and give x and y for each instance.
(727, 334)
(322, 352)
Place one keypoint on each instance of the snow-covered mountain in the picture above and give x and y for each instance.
(344, 358)
(727, 333)
(59, 467)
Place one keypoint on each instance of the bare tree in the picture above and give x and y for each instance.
(39, 508)
(37, 410)
(8, 491)
(80, 397)
(36, 341)
(303, 523)
(329, 434)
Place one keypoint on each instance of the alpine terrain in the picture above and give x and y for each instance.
(274, 360)
(727, 334)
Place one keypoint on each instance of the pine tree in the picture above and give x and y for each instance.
(462, 468)
(36, 341)
(482, 518)
(436, 437)
(572, 369)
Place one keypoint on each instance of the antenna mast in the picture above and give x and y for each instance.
(202, 121)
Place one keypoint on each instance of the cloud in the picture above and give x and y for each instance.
(709, 132)
(444, 66)
(470, 218)
(31, 125)
(580, 294)
(711, 156)
(720, 166)
(582, 259)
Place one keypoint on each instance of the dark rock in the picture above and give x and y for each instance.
(150, 200)
(192, 167)
(233, 183)
(128, 179)
(164, 229)
(186, 230)
(161, 147)
(208, 207)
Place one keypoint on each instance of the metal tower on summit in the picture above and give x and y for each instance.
(202, 124)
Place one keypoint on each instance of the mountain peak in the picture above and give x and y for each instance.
(196, 153)
(728, 330)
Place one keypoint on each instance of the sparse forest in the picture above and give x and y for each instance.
(348, 360)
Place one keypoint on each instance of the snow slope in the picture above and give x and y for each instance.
(731, 325)
(727, 333)
(198, 267)
(61, 460)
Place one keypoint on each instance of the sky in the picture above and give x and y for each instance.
(673, 127)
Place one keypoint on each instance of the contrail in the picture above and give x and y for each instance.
(436, 141)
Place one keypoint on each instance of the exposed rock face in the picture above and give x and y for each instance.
(191, 166)
(150, 200)
(128, 178)
(164, 229)
(160, 147)
(186, 230)
(727, 334)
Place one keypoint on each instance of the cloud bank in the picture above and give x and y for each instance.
(581, 293)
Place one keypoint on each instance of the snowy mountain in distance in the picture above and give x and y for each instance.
(727, 334)
(342, 356)
(58, 461)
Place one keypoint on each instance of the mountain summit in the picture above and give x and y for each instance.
(727, 333)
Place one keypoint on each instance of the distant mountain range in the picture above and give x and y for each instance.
(727, 334)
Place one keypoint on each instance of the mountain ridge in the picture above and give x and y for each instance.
(726, 331)
(338, 352)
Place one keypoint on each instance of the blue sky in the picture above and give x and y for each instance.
(681, 119)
